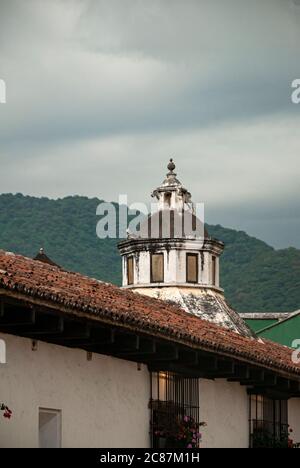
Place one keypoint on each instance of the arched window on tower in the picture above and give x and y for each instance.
(168, 196)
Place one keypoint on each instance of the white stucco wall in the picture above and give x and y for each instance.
(224, 407)
(142, 267)
(174, 263)
(104, 402)
(294, 418)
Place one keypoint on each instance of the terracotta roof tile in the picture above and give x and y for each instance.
(91, 297)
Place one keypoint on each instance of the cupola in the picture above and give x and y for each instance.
(172, 247)
(173, 258)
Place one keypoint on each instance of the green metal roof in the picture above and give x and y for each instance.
(284, 331)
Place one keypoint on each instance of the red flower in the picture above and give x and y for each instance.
(7, 413)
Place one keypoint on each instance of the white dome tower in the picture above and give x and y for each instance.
(174, 259)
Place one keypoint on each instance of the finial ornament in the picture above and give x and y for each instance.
(171, 166)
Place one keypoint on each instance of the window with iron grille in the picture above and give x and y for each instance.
(174, 404)
(268, 422)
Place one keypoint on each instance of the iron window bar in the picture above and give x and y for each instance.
(173, 397)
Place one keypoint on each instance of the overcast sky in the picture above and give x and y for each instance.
(101, 93)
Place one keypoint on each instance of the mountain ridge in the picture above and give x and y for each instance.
(255, 276)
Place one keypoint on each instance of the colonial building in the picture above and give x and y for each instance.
(90, 364)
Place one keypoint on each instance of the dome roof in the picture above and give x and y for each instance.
(169, 223)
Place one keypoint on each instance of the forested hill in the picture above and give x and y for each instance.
(255, 276)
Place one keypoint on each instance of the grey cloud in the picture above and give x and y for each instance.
(102, 88)
(95, 68)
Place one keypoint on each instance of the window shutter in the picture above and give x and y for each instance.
(130, 270)
(191, 268)
(157, 268)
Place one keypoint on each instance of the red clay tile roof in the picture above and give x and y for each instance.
(81, 295)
